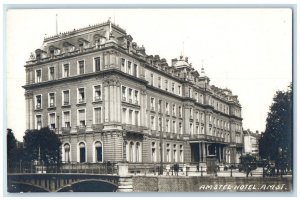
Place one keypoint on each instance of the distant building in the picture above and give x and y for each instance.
(251, 142)
(110, 101)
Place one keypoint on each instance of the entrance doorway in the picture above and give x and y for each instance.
(195, 156)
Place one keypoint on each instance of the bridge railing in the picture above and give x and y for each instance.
(69, 167)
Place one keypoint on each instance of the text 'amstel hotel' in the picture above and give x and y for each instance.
(107, 99)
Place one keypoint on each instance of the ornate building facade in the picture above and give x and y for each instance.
(110, 101)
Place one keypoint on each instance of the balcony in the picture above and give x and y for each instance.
(207, 137)
(97, 127)
(65, 130)
(133, 128)
(66, 103)
(81, 129)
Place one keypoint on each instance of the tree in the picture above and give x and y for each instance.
(11, 145)
(42, 145)
(276, 142)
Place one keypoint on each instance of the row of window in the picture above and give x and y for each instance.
(197, 96)
(81, 97)
(52, 74)
(199, 129)
(172, 153)
(128, 67)
(166, 85)
(130, 95)
(65, 122)
(82, 152)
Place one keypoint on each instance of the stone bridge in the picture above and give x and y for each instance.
(68, 182)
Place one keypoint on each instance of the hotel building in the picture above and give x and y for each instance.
(110, 101)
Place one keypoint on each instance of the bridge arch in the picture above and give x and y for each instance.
(89, 185)
(16, 187)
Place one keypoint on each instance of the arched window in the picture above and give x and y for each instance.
(67, 153)
(131, 145)
(82, 152)
(98, 152)
(137, 152)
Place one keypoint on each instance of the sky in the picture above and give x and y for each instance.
(246, 50)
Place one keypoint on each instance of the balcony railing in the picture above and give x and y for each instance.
(66, 130)
(38, 107)
(66, 103)
(134, 128)
(81, 129)
(97, 127)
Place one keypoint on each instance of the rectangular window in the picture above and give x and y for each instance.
(180, 127)
(66, 119)
(159, 105)
(173, 87)
(152, 103)
(38, 121)
(136, 97)
(191, 129)
(130, 95)
(130, 116)
(179, 90)
(123, 93)
(97, 64)
(159, 82)
(51, 73)
(152, 123)
(124, 116)
(81, 95)
(129, 67)
(97, 92)
(123, 65)
(136, 114)
(81, 117)
(174, 110)
(151, 81)
(52, 121)
(38, 102)
(135, 70)
(66, 70)
(38, 76)
(159, 124)
(167, 108)
(180, 111)
(167, 85)
(81, 67)
(97, 115)
(51, 99)
(167, 125)
(174, 126)
(66, 97)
